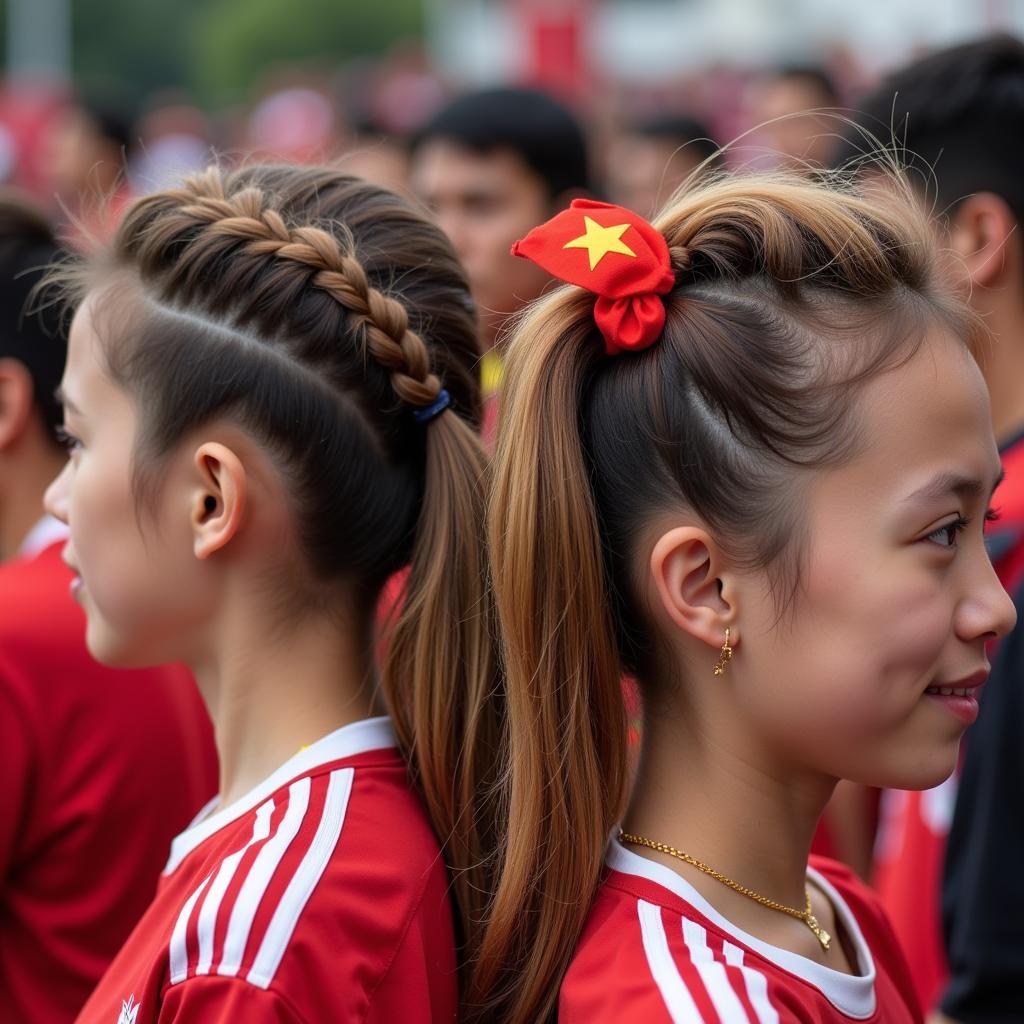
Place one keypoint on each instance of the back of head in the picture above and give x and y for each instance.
(530, 124)
(332, 323)
(31, 336)
(953, 116)
(788, 298)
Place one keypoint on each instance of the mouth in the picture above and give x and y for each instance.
(960, 696)
(76, 586)
(961, 687)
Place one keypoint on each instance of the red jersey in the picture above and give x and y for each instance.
(88, 806)
(319, 896)
(914, 826)
(654, 950)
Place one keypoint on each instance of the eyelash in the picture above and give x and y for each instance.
(67, 441)
(953, 529)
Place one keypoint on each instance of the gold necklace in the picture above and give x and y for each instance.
(801, 915)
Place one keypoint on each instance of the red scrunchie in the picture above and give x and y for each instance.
(614, 253)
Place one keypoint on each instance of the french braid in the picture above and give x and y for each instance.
(319, 312)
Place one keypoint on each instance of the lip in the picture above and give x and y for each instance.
(965, 708)
(971, 682)
(76, 586)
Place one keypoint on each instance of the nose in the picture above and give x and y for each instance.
(988, 612)
(55, 500)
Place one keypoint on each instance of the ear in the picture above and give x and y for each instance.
(218, 502)
(16, 397)
(981, 232)
(693, 585)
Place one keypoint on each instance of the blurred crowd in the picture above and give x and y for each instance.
(489, 164)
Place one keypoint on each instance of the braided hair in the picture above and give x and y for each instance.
(320, 313)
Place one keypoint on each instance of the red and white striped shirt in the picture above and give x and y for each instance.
(654, 950)
(321, 895)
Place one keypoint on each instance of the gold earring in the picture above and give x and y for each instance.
(725, 655)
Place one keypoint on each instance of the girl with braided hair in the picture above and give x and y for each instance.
(753, 473)
(271, 404)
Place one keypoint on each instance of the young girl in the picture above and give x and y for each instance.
(748, 460)
(270, 403)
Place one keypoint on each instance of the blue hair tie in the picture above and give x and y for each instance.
(438, 406)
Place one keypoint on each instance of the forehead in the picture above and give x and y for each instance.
(84, 371)
(443, 167)
(927, 417)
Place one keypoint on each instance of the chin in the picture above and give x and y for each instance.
(112, 651)
(927, 773)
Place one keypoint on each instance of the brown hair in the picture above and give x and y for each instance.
(320, 312)
(788, 296)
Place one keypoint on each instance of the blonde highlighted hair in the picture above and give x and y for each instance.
(789, 296)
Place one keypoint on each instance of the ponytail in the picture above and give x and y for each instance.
(439, 675)
(565, 763)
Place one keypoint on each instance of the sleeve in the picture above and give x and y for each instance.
(982, 898)
(211, 999)
(17, 767)
(414, 991)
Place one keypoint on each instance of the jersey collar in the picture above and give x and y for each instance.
(853, 995)
(349, 740)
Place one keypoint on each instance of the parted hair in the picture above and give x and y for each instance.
(789, 297)
(319, 312)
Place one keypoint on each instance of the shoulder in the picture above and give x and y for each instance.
(312, 893)
(644, 955)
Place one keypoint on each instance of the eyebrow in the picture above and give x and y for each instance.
(963, 487)
(62, 396)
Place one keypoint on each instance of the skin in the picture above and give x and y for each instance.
(644, 171)
(484, 202)
(736, 770)
(29, 458)
(197, 578)
(788, 128)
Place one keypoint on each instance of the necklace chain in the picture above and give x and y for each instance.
(804, 915)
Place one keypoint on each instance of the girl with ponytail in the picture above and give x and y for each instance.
(271, 407)
(746, 458)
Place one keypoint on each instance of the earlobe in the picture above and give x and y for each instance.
(219, 499)
(688, 572)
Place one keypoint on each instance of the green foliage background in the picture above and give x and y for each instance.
(215, 49)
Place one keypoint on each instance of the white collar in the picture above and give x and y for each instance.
(46, 532)
(853, 995)
(349, 740)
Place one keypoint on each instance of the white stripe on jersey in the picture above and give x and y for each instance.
(304, 881)
(179, 952)
(678, 1001)
(211, 904)
(757, 985)
(256, 882)
(712, 973)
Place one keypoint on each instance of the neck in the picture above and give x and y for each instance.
(270, 698)
(713, 798)
(21, 502)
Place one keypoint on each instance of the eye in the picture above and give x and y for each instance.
(68, 441)
(993, 515)
(946, 535)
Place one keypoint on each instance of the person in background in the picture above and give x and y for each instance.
(86, 149)
(956, 116)
(650, 159)
(787, 109)
(88, 807)
(490, 165)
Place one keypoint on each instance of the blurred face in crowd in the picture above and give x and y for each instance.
(485, 202)
(644, 171)
(783, 108)
(80, 161)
